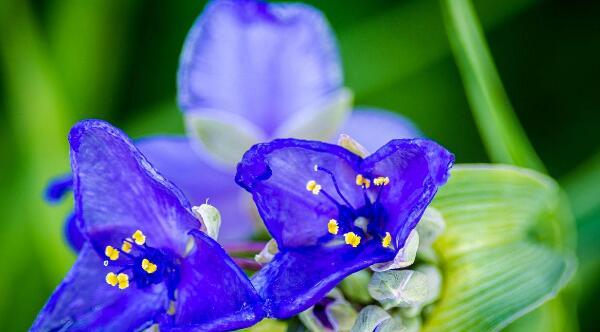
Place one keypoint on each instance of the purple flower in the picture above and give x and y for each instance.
(265, 68)
(143, 259)
(265, 71)
(333, 213)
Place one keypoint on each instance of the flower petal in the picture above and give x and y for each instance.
(177, 160)
(84, 302)
(274, 58)
(276, 174)
(214, 293)
(73, 233)
(373, 128)
(117, 191)
(296, 279)
(58, 187)
(416, 168)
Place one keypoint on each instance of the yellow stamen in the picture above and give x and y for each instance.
(333, 227)
(139, 237)
(362, 181)
(111, 253)
(126, 247)
(148, 266)
(123, 280)
(381, 181)
(313, 187)
(352, 239)
(111, 279)
(387, 240)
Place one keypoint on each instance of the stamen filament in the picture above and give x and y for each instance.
(335, 184)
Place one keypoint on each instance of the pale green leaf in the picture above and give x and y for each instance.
(430, 227)
(318, 121)
(224, 135)
(506, 250)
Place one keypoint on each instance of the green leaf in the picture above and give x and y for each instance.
(319, 121)
(506, 250)
(416, 28)
(226, 136)
(503, 136)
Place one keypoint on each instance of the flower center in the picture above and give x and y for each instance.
(355, 223)
(142, 264)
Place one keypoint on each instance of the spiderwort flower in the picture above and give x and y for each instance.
(144, 260)
(269, 70)
(262, 71)
(333, 213)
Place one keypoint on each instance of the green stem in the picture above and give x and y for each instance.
(503, 136)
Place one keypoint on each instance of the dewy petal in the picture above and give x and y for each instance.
(214, 293)
(373, 128)
(262, 61)
(117, 191)
(177, 160)
(276, 174)
(296, 279)
(416, 168)
(84, 302)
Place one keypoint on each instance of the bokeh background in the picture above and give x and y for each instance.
(66, 60)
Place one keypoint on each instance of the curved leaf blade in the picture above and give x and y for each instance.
(506, 250)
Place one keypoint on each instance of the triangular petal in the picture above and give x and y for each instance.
(85, 302)
(296, 279)
(274, 58)
(214, 293)
(117, 191)
(416, 169)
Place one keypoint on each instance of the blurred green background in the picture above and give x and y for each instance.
(62, 61)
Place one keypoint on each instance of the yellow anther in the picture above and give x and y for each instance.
(362, 181)
(352, 239)
(381, 181)
(111, 279)
(333, 227)
(123, 280)
(148, 266)
(111, 253)
(387, 240)
(313, 187)
(359, 180)
(126, 247)
(139, 237)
